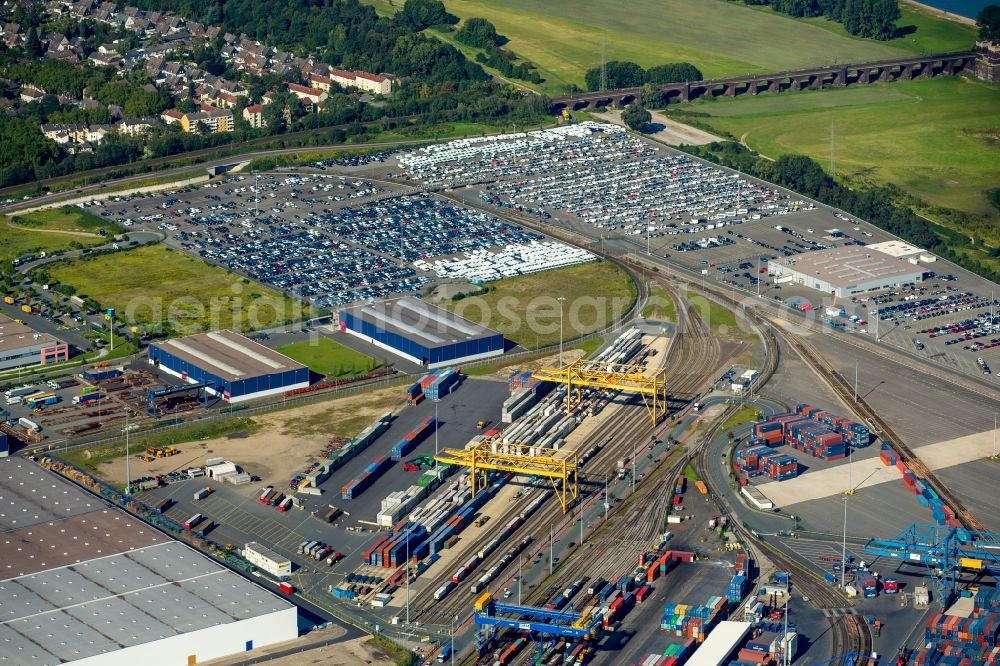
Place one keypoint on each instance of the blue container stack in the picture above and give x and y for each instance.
(737, 589)
(414, 437)
(443, 384)
(369, 476)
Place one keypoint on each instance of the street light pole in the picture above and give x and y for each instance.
(437, 426)
(128, 463)
(561, 300)
(843, 556)
(606, 502)
(551, 549)
(520, 568)
(407, 579)
(453, 639)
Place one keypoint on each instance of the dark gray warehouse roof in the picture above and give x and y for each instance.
(422, 322)
(229, 355)
(81, 578)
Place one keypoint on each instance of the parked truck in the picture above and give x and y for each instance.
(332, 514)
(41, 399)
(85, 398)
(869, 586)
(28, 424)
(202, 493)
(193, 521)
(205, 528)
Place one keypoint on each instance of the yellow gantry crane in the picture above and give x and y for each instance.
(494, 454)
(650, 383)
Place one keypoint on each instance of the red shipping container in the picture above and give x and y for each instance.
(753, 656)
(901, 466)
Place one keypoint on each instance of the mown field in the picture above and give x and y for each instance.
(155, 286)
(936, 139)
(526, 310)
(52, 230)
(564, 38)
(329, 358)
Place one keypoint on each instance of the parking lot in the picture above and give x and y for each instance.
(329, 239)
(241, 518)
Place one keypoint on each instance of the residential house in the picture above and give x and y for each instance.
(171, 116)
(254, 115)
(137, 126)
(374, 83)
(219, 120)
(30, 94)
(312, 98)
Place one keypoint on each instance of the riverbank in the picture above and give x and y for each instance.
(940, 13)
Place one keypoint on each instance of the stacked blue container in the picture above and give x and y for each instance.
(443, 384)
(737, 588)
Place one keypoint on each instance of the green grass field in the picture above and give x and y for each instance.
(743, 416)
(327, 357)
(67, 218)
(525, 309)
(659, 305)
(45, 231)
(934, 138)
(154, 285)
(564, 38)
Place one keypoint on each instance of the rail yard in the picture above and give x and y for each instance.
(769, 474)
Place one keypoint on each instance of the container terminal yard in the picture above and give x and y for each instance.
(773, 474)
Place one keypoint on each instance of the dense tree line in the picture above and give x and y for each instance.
(624, 74)
(988, 22)
(875, 204)
(874, 19)
(481, 34)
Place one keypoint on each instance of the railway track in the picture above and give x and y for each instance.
(844, 390)
(848, 634)
(694, 357)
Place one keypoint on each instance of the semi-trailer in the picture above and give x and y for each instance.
(193, 521)
(85, 398)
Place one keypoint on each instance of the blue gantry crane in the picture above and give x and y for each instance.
(944, 551)
(543, 626)
(153, 394)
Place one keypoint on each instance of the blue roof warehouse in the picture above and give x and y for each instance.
(237, 368)
(421, 332)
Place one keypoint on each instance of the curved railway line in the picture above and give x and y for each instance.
(845, 392)
(693, 356)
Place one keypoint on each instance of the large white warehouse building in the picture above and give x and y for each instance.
(90, 585)
(843, 271)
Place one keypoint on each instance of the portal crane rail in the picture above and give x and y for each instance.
(559, 467)
(650, 383)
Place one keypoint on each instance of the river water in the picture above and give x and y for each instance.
(970, 8)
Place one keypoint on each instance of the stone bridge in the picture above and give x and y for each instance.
(903, 69)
